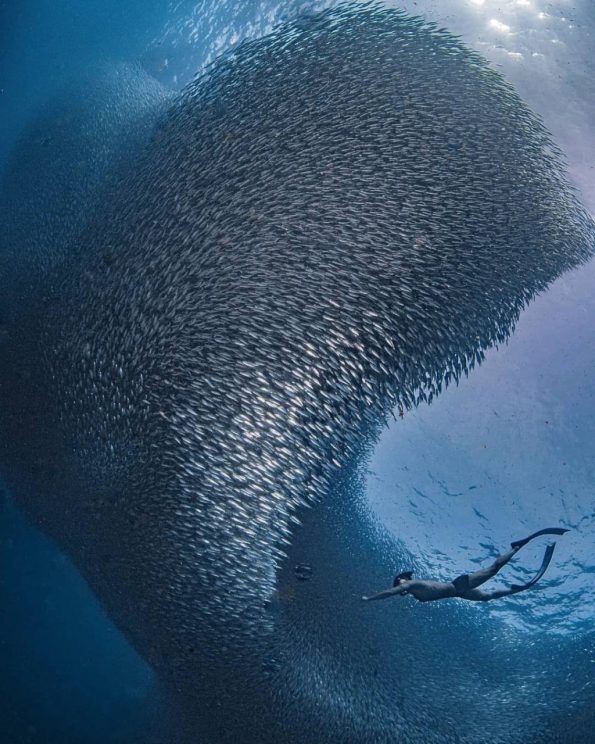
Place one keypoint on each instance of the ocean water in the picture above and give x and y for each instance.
(505, 452)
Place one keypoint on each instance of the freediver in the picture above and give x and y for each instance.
(465, 586)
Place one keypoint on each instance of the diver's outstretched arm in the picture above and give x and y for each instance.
(387, 593)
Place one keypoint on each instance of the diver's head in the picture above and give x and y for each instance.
(400, 578)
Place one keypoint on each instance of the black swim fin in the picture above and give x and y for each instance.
(549, 551)
(546, 531)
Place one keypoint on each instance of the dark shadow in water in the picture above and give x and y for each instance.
(67, 674)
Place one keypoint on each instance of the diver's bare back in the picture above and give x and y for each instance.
(425, 590)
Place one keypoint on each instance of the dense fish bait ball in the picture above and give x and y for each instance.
(335, 219)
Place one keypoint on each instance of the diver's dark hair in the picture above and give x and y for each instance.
(406, 575)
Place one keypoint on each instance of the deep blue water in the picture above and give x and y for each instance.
(507, 451)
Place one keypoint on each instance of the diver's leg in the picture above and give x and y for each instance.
(477, 578)
(476, 595)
